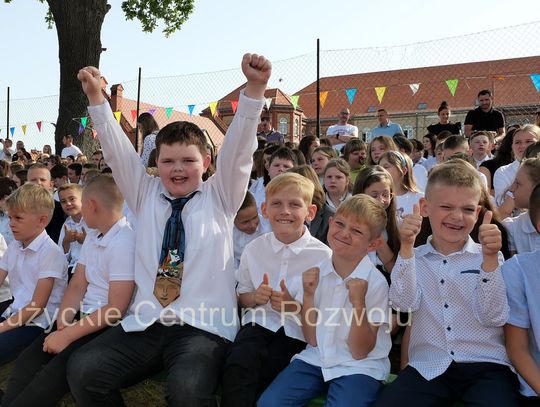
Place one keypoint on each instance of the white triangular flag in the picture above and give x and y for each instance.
(414, 87)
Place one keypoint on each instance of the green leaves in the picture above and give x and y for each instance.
(172, 12)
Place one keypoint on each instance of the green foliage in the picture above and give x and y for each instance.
(173, 13)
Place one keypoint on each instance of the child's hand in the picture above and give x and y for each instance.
(489, 236)
(263, 292)
(357, 290)
(279, 296)
(410, 227)
(56, 342)
(310, 281)
(69, 235)
(257, 70)
(80, 236)
(90, 79)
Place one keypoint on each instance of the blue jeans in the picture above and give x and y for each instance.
(192, 357)
(300, 382)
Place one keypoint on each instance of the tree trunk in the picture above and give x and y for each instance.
(78, 24)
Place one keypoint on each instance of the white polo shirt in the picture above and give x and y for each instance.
(74, 247)
(25, 266)
(503, 179)
(106, 258)
(280, 261)
(5, 292)
(71, 150)
(332, 352)
(522, 235)
(207, 300)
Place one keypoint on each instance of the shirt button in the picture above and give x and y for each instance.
(442, 281)
(445, 305)
(485, 280)
(444, 261)
(448, 328)
(452, 352)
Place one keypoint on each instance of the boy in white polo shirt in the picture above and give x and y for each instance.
(345, 318)
(37, 271)
(184, 314)
(456, 293)
(269, 278)
(100, 290)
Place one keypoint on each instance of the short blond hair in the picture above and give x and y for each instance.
(458, 173)
(31, 198)
(73, 187)
(305, 186)
(366, 210)
(103, 189)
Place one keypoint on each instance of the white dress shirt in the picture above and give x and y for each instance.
(25, 266)
(106, 258)
(522, 235)
(207, 300)
(241, 240)
(503, 178)
(280, 261)
(5, 292)
(458, 310)
(74, 247)
(332, 353)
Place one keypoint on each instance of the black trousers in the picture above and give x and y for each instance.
(255, 358)
(476, 384)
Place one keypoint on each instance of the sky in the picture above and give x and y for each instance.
(218, 33)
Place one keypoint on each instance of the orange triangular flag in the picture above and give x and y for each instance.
(322, 97)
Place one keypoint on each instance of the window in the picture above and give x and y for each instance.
(371, 109)
(283, 125)
(409, 131)
(422, 106)
(296, 127)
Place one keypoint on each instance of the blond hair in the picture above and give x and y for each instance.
(319, 197)
(402, 162)
(73, 187)
(365, 210)
(31, 198)
(302, 184)
(458, 173)
(104, 190)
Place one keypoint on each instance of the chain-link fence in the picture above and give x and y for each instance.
(409, 81)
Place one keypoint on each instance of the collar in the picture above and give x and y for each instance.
(296, 246)
(387, 125)
(103, 240)
(362, 270)
(36, 243)
(166, 197)
(488, 112)
(469, 247)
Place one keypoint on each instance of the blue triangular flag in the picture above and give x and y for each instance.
(351, 93)
(190, 109)
(12, 130)
(535, 78)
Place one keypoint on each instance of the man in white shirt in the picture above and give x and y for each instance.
(70, 148)
(341, 132)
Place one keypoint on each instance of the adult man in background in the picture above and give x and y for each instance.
(341, 132)
(70, 148)
(268, 133)
(385, 126)
(484, 117)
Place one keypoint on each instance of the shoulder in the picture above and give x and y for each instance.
(521, 265)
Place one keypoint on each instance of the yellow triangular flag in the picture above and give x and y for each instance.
(322, 97)
(380, 92)
(24, 129)
(213, 108)
(117, 116)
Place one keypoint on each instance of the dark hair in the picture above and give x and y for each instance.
(147, 124)
(504, 155)
(77, 167)
(22, 175)
(68, 136)
(89, 166)
(432, 141)
(353, 145)
(417, 144)
(7, 186)
(249, 201)
(284, 153)
(183, 133)
(533, 151)
(443, 106)
(404, 144)
(55, 159)
(443, 135)
(534, 206)
(305, 144)
(454, 141)
(59, 171)
(106, 170)
(152, 159)
(484, 92)
(268, 150)
(300, 159)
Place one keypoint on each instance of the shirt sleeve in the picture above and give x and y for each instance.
(469, 118)
(515, 292)
(243, 277)
(500, 120)
(404, 290)
(52, 263)
(377, 302)
(82, 253)
(122, 268)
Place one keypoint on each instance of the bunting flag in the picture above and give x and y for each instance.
(168, 112)
(133, 114)
(498, 77)
(351, 93)
(379, 90)
(83, 121)
(414, 87)
(117, 116)
(294, 100)
(213, 108)
(24, 129)
(152, 111)
(80, 129)
(322, 97)
(38, 126)
(190, 109)
(535, 78)
(234, 105)
(12, 130)
(268, 102)
(452, 85)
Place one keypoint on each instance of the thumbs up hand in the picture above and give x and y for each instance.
(490, 238)
(310, 281)
(264, 291)
(409, 229)
(279, 296)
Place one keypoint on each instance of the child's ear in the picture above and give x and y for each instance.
(44, 219)
(312, 211)
(423, 207)
(263, 210)
(206, 161)
(376, 244)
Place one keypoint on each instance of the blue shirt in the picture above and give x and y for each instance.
(522, 279)
(389, 130)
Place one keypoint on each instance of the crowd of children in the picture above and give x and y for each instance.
(272, 283)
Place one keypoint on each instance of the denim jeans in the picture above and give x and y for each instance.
(193, 359)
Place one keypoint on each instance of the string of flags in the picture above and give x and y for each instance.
(350, 93)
